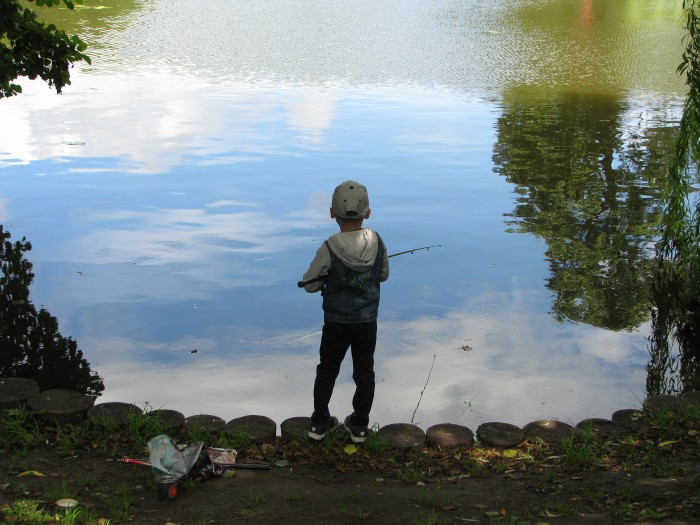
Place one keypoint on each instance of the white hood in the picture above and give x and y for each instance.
(357, 250)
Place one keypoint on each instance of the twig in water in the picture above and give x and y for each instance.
(421, 392)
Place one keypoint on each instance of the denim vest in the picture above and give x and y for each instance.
(350, 296)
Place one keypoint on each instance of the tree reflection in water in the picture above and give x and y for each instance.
(675, 340)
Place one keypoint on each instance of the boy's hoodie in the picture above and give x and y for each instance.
(357, 250)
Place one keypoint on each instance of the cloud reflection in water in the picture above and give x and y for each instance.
(532, 369)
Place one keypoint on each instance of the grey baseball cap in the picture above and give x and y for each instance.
(350, 200)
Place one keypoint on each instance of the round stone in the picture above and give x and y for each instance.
(172, 420)
(259, 429)
(632, 418)
(60, 405)
(116, 412)
(692, 397)
(549, 430)
(501, 435)
(205, 422)
(657, 403)
(14, 391)
(449, 435)
(295, 428)
(601, 426)
(403, 436)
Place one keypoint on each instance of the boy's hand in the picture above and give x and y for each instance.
(301, 284)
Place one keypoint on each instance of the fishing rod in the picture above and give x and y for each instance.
(301, 284)
(253, 466)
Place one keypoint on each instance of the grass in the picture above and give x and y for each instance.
(144, 426)
(253, 498)
(71, 437)
(208, 516)
(558, 509)
(356, 495)
(430, 518)
(30, 512)
(251, 503)
(410, 474)
(473, 467)
(358, 512)
(582, 451)
(57, 491)
(298, 496)
(661, 463)
(625, 492)
(376, 444)
(596, 497)
(334, 437)
(20, 431)
(240, 440)
(119, 507)
(438, 500)
(25, 511)
(198, 433)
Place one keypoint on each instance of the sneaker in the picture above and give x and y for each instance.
(318, 432)
(357, 434)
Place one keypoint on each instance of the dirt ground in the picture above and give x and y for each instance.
(643, 479)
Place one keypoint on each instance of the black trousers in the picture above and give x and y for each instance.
(361, 338)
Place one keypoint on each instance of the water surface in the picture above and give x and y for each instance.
(178, 189)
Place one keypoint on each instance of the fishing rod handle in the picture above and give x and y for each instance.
(301, 284)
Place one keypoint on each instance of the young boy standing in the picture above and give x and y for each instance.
(354, 262)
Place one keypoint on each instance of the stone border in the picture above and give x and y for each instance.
(61, 406)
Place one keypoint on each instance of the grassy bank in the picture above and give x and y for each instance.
(43, 463)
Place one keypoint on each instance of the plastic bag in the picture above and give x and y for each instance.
(179, 461)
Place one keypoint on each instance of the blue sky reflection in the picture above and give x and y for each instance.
(173, 201)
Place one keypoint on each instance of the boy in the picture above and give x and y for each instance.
(354, 262)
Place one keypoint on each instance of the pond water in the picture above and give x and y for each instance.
(175, 193)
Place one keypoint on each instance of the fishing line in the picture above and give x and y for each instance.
(426, 386)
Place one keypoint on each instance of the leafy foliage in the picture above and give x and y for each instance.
(675, 341)
(30, 48)
(31, 345)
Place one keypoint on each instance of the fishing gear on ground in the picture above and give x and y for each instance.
(193, 461)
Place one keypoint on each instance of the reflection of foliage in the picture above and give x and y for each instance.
(591, 196)
(30, 48)
(675, 341)
(30, 343)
